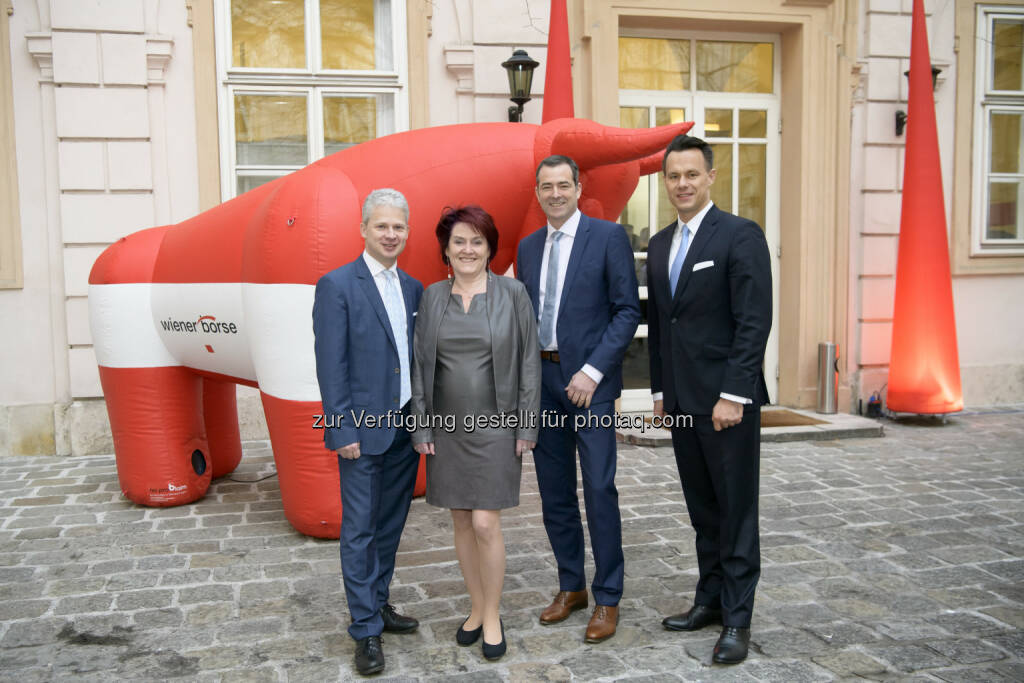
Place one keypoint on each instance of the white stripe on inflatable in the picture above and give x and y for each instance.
(257, 332)
(203, 325)
(283, 352)
(121, 320)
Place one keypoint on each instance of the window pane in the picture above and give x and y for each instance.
(753, 179)
(663, 116)
(1007, 152)
(355, 34)
(634, 117)
(753, 124)
(636, 216)
(654, 64)
(636, 367)
(1007, 48)
(1004, 217)
(351, 120)
(734, 67)
(718, 123)
(248, 182)
(271, 130)
(268, 34)
(721, 190)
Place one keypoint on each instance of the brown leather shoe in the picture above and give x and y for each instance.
(564, 604)
(602, 624)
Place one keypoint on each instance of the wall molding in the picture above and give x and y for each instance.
(11, 266)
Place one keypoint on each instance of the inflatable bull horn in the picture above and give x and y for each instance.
(182, 313)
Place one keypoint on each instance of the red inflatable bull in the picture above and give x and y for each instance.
(180, 314)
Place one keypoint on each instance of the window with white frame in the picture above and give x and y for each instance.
(999, 132)
(301, 79)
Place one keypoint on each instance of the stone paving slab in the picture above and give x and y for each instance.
(894, 558)
(835, 426)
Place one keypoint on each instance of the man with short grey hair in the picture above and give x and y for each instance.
(363, 315)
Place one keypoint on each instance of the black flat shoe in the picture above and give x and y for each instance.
(698, 617)
(731, 647)
(395, 622)
(493, 652)
(369, 658)
(466, 638)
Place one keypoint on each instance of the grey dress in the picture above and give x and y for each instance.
(476, 468)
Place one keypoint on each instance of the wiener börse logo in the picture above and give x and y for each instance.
(206, 324)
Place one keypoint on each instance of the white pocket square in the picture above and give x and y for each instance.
(702, 265)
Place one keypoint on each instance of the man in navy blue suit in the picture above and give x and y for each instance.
(709, 285)
(580, 274)
(363, 316)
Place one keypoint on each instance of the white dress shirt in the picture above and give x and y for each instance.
(377, 272)
(565, 243)
(677, 241)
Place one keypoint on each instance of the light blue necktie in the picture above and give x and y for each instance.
(677, 265)
(547, 312)
(396, 314)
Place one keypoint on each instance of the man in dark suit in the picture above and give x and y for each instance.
(580, 274)
(363, 316)
(709, 313)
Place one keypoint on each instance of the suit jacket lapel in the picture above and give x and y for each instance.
(373, 296)
(532, 275)
(579, 243)
(407, 295)
(660, 266)
(704, 235)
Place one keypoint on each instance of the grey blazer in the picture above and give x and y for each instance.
(514, 349)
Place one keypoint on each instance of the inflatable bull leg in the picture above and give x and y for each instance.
(154, 403)
(220, 416)
(307, 472)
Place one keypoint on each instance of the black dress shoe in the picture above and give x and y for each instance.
(493, 652)
(466, 638)
(731, 647)
(395, 622)
(369, 657)
(698, 617)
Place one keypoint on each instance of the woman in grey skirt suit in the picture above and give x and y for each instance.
(476, 398)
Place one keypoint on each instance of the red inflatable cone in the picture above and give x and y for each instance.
(558, 72)
(924, 368)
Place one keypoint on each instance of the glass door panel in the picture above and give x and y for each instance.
(636, 364)
(663, 116)
(636, 216)
(752, 182)
(634, 117)
(654, 64)
(721, 190)
(753, 123)
(735, 66)
(727, 88)
(718, 123)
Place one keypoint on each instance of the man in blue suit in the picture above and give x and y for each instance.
(363, 316)
(580, 274)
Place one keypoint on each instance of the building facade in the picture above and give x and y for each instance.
(123, 114)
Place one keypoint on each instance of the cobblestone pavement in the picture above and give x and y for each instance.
(899, 558)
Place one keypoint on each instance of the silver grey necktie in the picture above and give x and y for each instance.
(393, 305)
(547, 312)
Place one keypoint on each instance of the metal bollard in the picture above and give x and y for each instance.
(828, 377)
